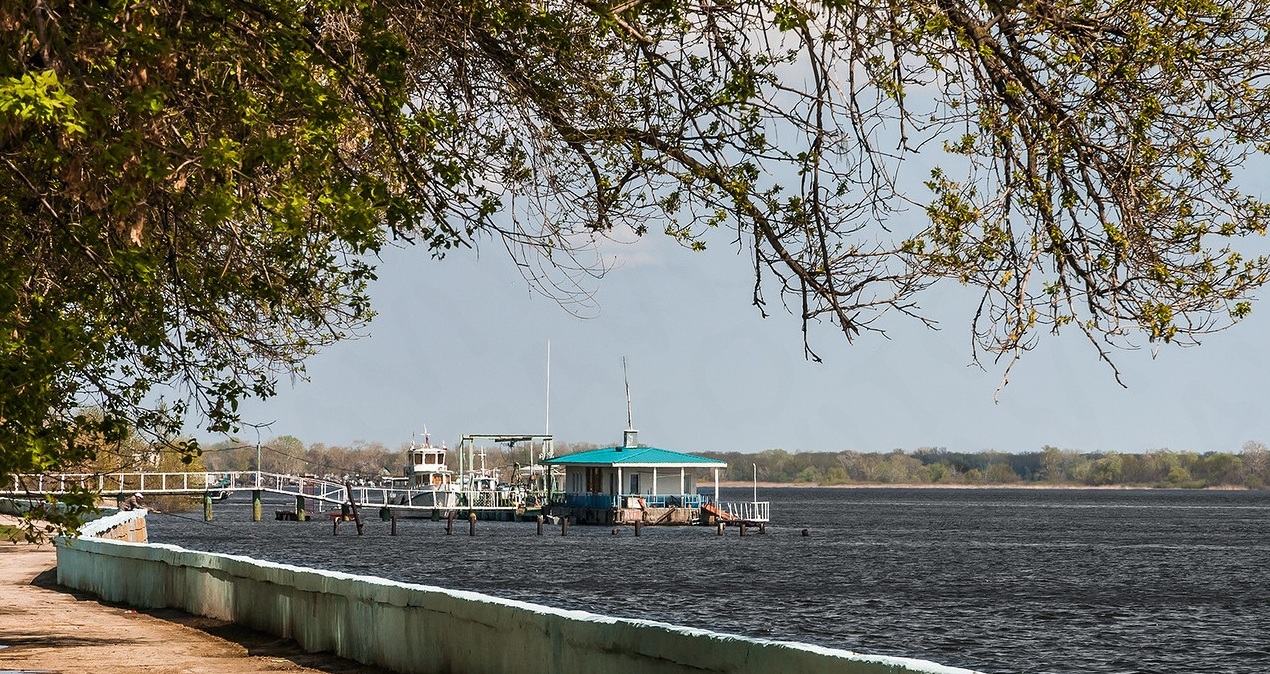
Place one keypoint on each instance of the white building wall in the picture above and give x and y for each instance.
(668, 482)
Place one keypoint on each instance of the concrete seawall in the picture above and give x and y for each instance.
(421, 629)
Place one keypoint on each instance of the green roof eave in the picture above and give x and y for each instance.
(639, 457)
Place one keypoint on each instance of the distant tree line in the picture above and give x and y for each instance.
(1249, 468)
(1051, 466)
(289, 455)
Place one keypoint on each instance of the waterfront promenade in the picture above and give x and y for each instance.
(48, 629)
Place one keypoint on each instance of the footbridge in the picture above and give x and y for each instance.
(219, 485)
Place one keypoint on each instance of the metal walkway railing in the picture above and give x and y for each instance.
(748, 511)
(319, 489)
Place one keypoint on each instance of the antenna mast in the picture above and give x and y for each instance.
(626, 380)
(547, 430)
(630, 438)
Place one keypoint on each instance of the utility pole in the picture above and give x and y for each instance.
(259, 476)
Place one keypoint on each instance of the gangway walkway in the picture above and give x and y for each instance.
(739, 512)
(218, 484)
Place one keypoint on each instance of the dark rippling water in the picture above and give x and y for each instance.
(1036, 581)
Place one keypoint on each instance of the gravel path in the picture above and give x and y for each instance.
(49, 629)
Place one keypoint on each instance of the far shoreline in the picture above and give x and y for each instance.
(930, 485)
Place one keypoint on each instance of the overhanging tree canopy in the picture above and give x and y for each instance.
(193, 192)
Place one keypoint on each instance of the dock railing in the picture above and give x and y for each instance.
(113, 483)
(608, 501)
(487, 499)
(748, 511)
(674, 500)
(118, 484)
(573, 500)
(322, 490)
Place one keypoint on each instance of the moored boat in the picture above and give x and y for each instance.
(429, 488)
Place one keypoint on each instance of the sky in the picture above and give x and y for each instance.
(460, 346)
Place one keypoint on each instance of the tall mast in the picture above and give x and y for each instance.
(630, 437)
(547, 431)
(626, 380)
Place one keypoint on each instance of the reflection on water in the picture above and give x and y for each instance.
(1038, 581)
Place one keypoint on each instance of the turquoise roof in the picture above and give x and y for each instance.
(635, 456)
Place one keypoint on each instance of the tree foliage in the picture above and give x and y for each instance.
(193, 193)
(1049, 467)
(128, 453)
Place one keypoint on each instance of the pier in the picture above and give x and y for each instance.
(215, 486)
(676, 504)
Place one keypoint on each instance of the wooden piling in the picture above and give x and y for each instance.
(540, 523)
(639, 526)
(300, 515)
(335, 525)
(394, 526)
(207, 506)
(564, 526)
(352, 506)
(471, 524)
(720, 528)
(449, 523)
(255, 505)
(742, 527)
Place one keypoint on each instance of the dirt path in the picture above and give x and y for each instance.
(46, 628)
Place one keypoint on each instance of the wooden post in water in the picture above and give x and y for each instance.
(564, 525)
(639, 526)
(255, 505)
(719, 526)
(300, 515)
(742, 527)
(352, 505)
(540, 521)
(335, 525)
(207, 506)
(449, 523)
(394, 526)
(471, 524)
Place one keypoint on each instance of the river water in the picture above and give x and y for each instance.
(997, 580)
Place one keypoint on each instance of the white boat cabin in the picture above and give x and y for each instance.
(427, 468)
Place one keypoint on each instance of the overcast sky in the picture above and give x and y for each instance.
(460, 346)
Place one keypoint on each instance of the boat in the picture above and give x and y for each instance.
(429, 482)
(487, 494)
(429, 489)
